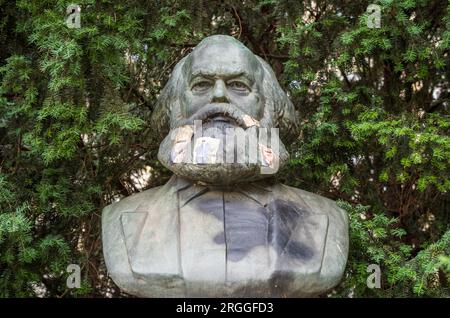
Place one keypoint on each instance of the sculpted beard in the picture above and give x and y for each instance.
(220, 144)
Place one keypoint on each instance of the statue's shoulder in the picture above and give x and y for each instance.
(336, 237)
(114, 239)
(132, 202)
(319, 204)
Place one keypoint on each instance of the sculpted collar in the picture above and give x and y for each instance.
(188, 190)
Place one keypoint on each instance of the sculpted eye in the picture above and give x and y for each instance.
(201, 86)
(238, 86)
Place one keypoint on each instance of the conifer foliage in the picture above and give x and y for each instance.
(75, 105)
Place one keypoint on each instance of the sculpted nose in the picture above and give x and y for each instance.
(220, 92)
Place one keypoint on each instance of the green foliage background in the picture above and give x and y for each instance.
(74, 127)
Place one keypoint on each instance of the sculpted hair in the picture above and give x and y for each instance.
(168, 106)
(278, 109)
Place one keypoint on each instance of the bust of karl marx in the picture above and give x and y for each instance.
(219, 227)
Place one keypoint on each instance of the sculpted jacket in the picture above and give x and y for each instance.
(254, 240)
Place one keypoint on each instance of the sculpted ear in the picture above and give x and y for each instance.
(278, 105)
(168, 108)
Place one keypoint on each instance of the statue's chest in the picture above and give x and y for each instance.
(215, 243)
(224, 239)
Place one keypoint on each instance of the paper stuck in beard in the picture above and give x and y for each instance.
(205, 150)
(220, 139)
(181, 137)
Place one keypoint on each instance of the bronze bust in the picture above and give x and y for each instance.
(220, 227)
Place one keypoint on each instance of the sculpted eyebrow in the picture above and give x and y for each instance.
(232, 74)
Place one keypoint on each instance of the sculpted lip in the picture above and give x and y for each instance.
(221, 118)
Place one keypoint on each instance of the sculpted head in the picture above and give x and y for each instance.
(224, 116)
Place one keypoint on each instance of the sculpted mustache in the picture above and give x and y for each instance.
(217, 109)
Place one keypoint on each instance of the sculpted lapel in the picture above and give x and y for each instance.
(150, 233)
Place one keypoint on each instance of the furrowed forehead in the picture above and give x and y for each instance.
(222, 61)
